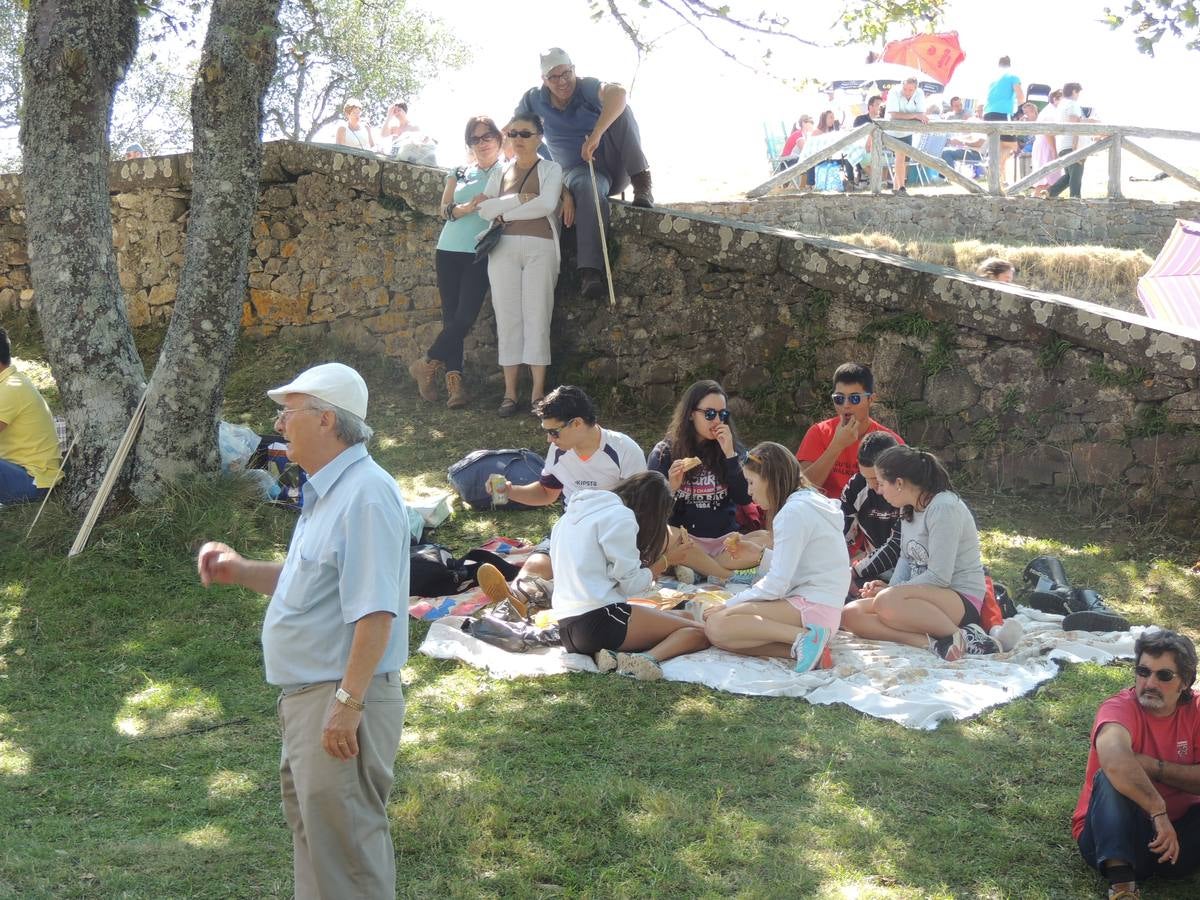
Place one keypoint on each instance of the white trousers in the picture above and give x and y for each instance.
(522, 271)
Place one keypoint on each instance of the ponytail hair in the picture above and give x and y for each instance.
(919, 468)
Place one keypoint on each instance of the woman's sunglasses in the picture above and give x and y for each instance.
(1166, 676)
(480, 138)
(854, 399)
(522, 134)
(710, 414)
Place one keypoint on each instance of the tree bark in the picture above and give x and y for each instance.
(76, 52)
(187, 388)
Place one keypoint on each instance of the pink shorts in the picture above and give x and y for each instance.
(711, 546)
(818, 613)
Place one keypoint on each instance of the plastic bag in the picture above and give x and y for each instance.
(237, 443)
(415, 147)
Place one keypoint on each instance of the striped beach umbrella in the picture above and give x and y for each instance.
(1170, 290)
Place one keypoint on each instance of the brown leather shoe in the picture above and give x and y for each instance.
(454, 387)
(642, 195)
(424, 372)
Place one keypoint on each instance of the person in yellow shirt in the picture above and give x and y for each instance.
(29, 459)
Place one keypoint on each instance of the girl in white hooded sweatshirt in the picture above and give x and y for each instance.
(602, 551)
(795, 608)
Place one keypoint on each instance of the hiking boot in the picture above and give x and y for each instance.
(591, 284)
(537, 593)
(641, 666)
(606, 661)
(642, 184)
(1089, 613)
(493, 583)
(1047, 568)
(1054, 601)
(424, 372)
(978, 642)
(454, 387)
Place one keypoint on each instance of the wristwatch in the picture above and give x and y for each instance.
(345, 698)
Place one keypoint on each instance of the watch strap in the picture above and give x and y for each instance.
(345, 698)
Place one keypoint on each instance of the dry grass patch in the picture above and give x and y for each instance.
(1100, 274)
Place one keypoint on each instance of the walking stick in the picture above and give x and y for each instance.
(66, 456)
(612, 297)
(110, 477)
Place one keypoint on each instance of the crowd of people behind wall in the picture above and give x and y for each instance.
(1005, 101)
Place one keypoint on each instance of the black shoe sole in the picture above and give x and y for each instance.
(1046, 602)
(643, 203)
(1092, 620)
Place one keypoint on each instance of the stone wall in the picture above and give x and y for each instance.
(1010, 386)
(1126, 224)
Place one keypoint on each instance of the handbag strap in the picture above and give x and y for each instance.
(526, 178)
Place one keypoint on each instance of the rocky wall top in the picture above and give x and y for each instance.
(1125, 224)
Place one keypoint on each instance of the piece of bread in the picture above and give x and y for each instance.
(732, 542)
(690, 462)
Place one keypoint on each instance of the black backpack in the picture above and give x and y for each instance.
(470, 474)
(435, 572)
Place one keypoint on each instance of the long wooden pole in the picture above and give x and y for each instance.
(50, 490)
(110, 477)
(612, 297)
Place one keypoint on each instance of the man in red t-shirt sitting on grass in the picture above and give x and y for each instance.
(829, 452)
(1139, 811)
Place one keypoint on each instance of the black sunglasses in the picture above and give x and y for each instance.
(1166, 676)
(480, 138)
(710, 414)
(555, 432)
(522, 134)
(854, 399)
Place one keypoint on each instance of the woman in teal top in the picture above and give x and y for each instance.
(462, 282)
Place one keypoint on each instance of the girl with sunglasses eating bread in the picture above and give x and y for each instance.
(702, 459)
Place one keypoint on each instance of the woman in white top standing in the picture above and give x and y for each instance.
(795, 608)
(354, 132)
(523, 267)
(603, 550)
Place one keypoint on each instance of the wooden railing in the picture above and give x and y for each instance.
(1112, 138)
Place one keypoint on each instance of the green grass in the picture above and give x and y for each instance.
(138, 745)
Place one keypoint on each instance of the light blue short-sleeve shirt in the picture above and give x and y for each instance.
(459, 235)
(348, 558)
(566, 128)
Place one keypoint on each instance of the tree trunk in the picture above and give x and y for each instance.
(76, 52)
(188, 384)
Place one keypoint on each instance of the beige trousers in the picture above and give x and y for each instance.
(341, 837)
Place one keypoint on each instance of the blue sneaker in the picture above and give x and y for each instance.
(808, 646)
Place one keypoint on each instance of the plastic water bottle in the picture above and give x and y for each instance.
(499, 489)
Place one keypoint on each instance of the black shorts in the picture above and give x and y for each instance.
(1002, 117)
(970, 613)
(601, 629)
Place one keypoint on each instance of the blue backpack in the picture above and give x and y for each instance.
(469, 475)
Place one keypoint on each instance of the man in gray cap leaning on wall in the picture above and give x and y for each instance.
(334, 638)
(586, 119)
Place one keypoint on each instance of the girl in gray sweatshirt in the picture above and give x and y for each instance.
(936, 592)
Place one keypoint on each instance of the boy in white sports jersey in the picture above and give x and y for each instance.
(581, 456)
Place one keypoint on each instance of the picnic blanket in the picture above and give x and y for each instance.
(889, 681)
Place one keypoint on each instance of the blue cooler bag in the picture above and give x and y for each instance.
(469, 475)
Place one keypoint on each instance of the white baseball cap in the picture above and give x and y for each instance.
(553, 58)
(334, 383)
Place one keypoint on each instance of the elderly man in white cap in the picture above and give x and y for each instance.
(334, 638)
(586, 119)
